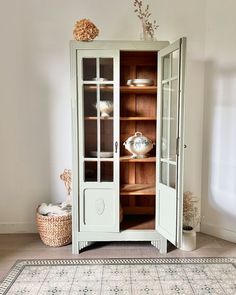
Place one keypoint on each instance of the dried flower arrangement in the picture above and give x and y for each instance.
(67, 179)
(191, 217)
(85, 30)
(144, 14)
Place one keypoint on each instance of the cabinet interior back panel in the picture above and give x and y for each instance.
(138, 112)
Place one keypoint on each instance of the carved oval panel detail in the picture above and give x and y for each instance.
(100, 206)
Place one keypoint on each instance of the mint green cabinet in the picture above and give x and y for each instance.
(109, 186)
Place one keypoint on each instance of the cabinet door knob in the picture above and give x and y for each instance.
(116, 146)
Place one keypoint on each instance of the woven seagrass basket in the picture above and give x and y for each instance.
(55, 231)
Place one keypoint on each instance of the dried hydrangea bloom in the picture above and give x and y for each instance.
(85, 30)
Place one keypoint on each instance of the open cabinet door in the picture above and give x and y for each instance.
(170, 138)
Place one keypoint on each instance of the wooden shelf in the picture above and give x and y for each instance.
(124, 89)
(139, 89)
(123, 118)
(138, 222)
(138, 118)
(102, 118)
(93, 88)
(137, 189)
(140, 160)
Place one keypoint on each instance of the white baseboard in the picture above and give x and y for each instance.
(16, 228)
(218, 232)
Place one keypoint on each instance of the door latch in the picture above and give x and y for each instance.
(116, 146)
(177, 146)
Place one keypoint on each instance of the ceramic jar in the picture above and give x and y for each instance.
(188, 240)
(138, 145)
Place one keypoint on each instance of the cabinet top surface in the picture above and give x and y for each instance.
(120, 45)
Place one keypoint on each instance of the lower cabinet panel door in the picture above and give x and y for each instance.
(99, 210)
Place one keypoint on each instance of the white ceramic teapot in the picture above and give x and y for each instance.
(138, 145)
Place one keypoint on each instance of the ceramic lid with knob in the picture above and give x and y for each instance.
(139, 145)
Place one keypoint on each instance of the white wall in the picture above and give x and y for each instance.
(219, 152)
(35, 138)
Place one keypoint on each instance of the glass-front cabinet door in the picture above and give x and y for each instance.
(170, 138)
(98, 92)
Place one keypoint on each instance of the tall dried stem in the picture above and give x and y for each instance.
(191, 216)
(144, 14)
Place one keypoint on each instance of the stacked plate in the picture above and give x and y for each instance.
(102, 154)
(140, 82)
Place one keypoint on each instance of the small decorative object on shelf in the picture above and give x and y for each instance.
(191, 219)
(105, 107)
(140, 82)
(148, 28)
(85, 30)
(102, 154)
(99, 79)
(138, 145)
(55, 221)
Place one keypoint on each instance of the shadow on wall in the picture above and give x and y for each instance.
(37, 124)
(219, 142)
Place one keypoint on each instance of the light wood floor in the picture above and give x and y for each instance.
(29, 246)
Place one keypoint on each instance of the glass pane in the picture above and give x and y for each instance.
(106, 138)
(106, 68)
(172, 180)
(165, 120)
(164, 173)
(106, 101)
(90, 100)
(166, 67)
(106, 171)
(90, 136)
(174, 63)
(173, 120)
(90, 120)
(165, 99)
(106, 123)
(90, 171)
(89, 69)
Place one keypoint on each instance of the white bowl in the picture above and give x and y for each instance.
(102, 154)
(99, 79)
(105, 107)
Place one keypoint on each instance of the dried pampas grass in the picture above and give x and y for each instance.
(191, 214)
(85, 30)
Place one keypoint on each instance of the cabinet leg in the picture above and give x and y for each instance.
(156, 244)
(161, 245)
(75, 248)
(83, 244)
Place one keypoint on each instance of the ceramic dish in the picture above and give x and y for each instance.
(106, 108)
(99, 79)
(102, 154)
(138, 145)
(140, 82)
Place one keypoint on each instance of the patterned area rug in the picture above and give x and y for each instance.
(122, 276)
